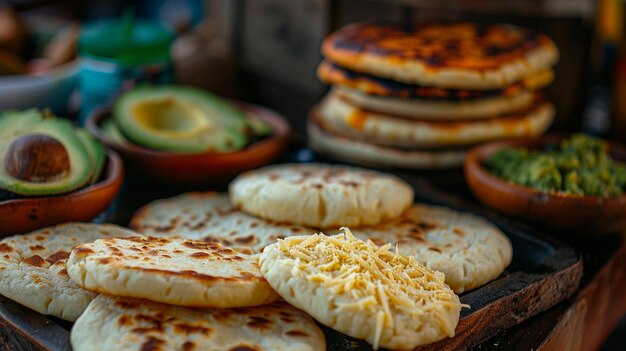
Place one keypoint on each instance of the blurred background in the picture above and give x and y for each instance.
(267, 51)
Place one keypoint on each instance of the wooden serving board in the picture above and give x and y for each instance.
(543, 273)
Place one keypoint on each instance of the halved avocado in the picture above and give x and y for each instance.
(41, 156)
(95, 150)
(180, 119)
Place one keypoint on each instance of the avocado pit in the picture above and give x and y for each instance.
(37, 158)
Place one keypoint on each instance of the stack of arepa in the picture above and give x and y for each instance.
(418, 96)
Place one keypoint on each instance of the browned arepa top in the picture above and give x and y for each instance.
(448, 55)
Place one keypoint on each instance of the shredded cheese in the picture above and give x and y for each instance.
(364, 277)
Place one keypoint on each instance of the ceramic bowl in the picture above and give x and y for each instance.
(50, 90)
(25, 215)
(583, 215)
(203, 167)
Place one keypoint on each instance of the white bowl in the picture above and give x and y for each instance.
(50, 90)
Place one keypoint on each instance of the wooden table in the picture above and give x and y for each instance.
(584, 321)
(580, 323)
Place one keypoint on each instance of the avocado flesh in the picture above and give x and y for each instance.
(13, 127)
(180, 119)
(96, 153)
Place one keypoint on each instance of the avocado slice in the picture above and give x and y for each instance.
(29, 130)
(260, 128)
(95, 150)
(111, 130)
(180, 119)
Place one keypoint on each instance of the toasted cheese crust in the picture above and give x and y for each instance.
(333, 74)
(361, 152)
(446, 55)
(342, 117)
(362, 290)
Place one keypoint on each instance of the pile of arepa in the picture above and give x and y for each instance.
(124, 291)
(391, 280)
(252, 270)
(418, 96)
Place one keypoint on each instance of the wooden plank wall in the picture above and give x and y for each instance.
(276, 45)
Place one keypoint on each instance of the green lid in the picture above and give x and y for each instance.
(128, 41)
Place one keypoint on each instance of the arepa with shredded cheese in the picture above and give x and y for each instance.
(362, 290)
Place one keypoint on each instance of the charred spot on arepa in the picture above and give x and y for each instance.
(200, 255)
(187, 329)
(297, 333)
(188, 346)
(124, 320)
(35, 261)
(246, 240)
(458, 231)
(244, 348)
(4, 247)
(152, 344)
(57, 256)
(258, 323)
(128, 304)
(223, 314)
(427, 226)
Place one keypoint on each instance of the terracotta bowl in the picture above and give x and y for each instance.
(580, 215)
(204, 167)
(25, 215)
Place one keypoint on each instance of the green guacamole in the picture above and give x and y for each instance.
(579, 165)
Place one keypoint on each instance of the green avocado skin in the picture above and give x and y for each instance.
(226, 129)
(579, 165)
(15, 124)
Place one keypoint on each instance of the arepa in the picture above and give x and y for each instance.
(342, 117)
(362, 290)
(33, 267)
(173, 271)
(210, 217)
(469, 250)
(447, 55)
(118, 323)
(361, 152)
(490, 107)
(321, 195)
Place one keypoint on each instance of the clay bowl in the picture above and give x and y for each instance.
(567, 214)
(25, 215)
(199, 168)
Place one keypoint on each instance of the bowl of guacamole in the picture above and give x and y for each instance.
(575, 183)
